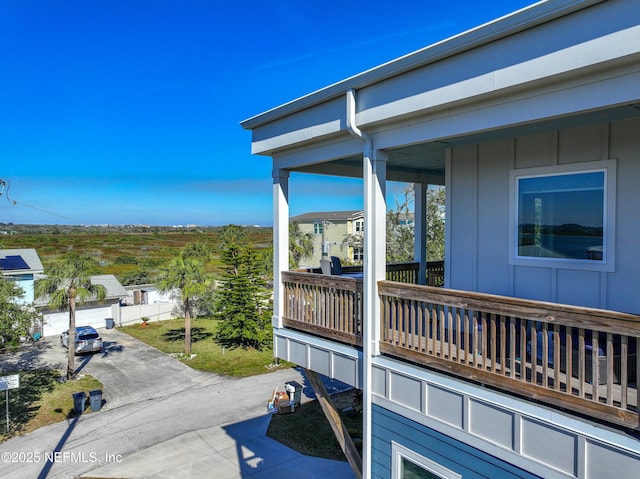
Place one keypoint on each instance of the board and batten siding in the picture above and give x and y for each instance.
(456, 456)
(478, 213)
(475, 431)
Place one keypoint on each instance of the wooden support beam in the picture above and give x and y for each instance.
(338, 427)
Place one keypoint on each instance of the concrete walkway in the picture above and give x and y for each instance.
(239, 450)
(162, 419)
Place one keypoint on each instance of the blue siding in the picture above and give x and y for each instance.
(450, 453)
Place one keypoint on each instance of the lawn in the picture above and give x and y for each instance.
(41, 399)
(207, 354)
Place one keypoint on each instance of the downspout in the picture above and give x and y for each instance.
(369, 291)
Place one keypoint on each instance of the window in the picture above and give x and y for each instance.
(359, 226)
(358, 254)
(564, 215)
(317, 228)
(407, 464)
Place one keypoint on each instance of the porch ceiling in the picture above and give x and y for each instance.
(417, 161)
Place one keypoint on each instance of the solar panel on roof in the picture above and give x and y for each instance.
(10, 263)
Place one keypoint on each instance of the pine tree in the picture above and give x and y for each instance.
(242, 300)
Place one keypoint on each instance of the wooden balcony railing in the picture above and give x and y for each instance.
(576, 358)
(329, 306)
(403, 272)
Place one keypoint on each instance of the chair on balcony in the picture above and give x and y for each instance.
(325, 266)
(336, 265)
(336, 268)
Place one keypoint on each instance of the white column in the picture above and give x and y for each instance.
(280, 240)
(375, 211)
(420, 230)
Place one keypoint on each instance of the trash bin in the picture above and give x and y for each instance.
(295, 392)
(110, 323)
(79, 402)
(95, 399)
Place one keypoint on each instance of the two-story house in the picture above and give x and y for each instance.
(333, 233)
(525, 364)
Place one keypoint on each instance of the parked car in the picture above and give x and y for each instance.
(87, 340)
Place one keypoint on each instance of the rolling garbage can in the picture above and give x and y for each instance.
(294, 389)
(109, 323)
(79, 402)
(95, 399)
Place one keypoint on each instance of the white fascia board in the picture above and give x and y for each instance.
(595, 53)
(320, 152)
(510, 24)
(524, 108)
(292, 138)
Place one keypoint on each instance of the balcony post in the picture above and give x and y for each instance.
(420, 230)
(375, 246)
(280, 241)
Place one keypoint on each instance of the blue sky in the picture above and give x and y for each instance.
(128, 111)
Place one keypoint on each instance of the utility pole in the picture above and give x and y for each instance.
(325, 243)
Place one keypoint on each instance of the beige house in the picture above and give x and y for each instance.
(335, 233)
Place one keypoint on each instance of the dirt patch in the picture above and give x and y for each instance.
(308, 431)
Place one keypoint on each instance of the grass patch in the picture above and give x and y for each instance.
(207, 354)
(41, 400)
(308, 431)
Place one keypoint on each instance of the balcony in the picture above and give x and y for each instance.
(579, 359)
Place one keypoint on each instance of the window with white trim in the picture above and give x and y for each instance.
(407, 464)
(317, 228)
(564, 215)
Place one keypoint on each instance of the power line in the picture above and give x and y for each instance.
(5, 184)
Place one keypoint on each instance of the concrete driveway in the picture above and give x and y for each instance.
(161, 419)
(130, 370)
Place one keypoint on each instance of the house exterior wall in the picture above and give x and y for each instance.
(478, 216)
(389, 427)
(477, 432)
(335, 235)
(58, 321)
(26, 282)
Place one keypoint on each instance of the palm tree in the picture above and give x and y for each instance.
(66, 284)
(300, 244)
(186, 273)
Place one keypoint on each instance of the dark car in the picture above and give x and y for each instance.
(87, 340)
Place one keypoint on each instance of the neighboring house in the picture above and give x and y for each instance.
(90, 313)
(334, 233)
(21, 266)
(526, 365)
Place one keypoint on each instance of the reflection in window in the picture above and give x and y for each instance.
(411, 470)
(562, 216)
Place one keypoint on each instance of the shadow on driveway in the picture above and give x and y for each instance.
(109, 348)
(45, 353)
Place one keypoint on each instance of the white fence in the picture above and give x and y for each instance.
(57, 322)
(155, 312)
